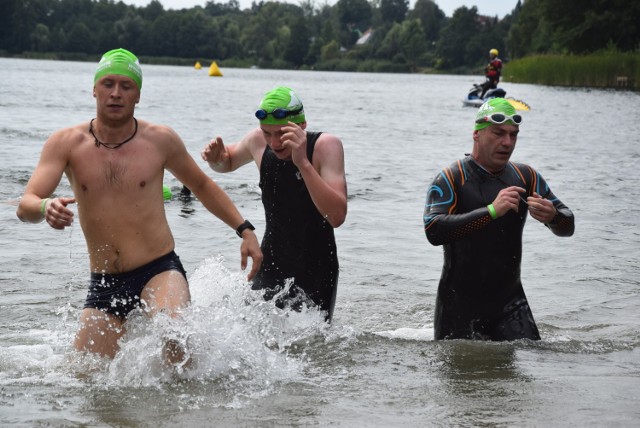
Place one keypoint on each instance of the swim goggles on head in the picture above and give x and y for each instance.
(278, 113)
(500, 118)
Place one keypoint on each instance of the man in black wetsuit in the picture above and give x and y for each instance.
(304, 193)
(476, 209)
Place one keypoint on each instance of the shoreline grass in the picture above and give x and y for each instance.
(607, 69)
(599, 70)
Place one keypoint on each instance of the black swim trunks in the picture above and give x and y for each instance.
(119, 294)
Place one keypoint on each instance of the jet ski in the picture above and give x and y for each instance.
(473, 97)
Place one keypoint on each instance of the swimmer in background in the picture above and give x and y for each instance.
(304, 193)
(476, 209)
(115, 164)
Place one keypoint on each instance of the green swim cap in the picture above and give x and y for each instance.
(120, 62)
(494, 105)
(280, 98)
(166, 192)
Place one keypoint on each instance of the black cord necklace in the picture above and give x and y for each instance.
(109, 145)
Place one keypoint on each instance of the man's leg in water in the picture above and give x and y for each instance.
(167, 292)
(99, 333)
(518, 324)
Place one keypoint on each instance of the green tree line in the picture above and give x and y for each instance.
(350, 35)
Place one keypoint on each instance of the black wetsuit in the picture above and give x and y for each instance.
(298, 242)
(480, 295)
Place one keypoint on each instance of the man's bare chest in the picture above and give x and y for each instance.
(114, 170)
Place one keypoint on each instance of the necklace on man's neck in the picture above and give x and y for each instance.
(112, 145)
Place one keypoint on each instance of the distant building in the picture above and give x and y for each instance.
(364, 39)
(487, 21)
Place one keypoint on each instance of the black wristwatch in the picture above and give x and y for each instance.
(243, 226)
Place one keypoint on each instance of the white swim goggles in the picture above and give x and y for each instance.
(501, 118)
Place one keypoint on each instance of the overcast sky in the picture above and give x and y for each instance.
(485, 7)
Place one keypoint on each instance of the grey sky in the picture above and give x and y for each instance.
(485, 7)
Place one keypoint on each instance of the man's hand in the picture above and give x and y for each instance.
(250, 248)
(294, 137)
(57, 214)
(541, 209)
(508, 199)
(215, 153)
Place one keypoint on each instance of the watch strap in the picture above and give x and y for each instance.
(246, 225)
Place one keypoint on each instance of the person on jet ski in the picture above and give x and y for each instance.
(492, 72)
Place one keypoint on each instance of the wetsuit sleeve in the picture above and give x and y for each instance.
(563, 224)
(441, 222)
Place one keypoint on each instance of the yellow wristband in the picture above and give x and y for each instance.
(43, 205)
(492, 212)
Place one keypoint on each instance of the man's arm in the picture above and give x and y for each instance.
(216, 200)
(550, 210)
(553, 213)
(223, 158)
(442, 224)
(327, 184)
(34, 204)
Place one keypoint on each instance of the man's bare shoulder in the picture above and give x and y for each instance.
(254, 138)
(69, 136)
(163, 137)
(156, 130)
(329, 146)
(253, 142)
(326, 138)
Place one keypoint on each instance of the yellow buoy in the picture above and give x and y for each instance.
(214, 70)
(198, 66)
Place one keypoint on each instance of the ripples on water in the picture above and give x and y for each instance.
(376, 365)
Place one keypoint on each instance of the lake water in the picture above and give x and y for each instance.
(377, 365)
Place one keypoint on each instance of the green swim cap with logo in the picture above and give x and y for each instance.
(494, 105)
(281, 98)
(120, 62)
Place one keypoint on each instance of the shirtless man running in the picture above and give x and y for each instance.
(115, 164)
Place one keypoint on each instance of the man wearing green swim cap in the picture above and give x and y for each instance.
(115, 165)
(120, 62)
(304, 193)
(476, 209)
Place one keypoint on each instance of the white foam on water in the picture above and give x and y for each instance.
(41, 361)
(407, 333)
(240, 347)
(232, 336)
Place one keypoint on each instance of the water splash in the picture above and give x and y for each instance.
(234, 339)
(239, 347)
(407, 333)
